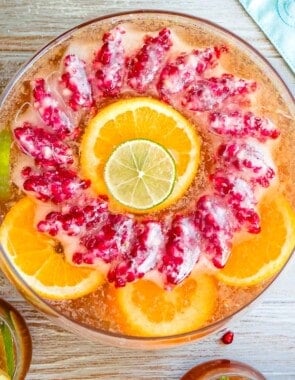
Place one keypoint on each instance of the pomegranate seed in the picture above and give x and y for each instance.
(144, 65)
(77, 258)
(52, 224)
(26, 171)
(228, 337)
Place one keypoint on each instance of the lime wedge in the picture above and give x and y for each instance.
(140, 174)
(5, 144)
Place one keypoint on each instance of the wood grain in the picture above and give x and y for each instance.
(265, 336)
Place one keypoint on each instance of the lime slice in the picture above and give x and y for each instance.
(5, 144)
(140, 174)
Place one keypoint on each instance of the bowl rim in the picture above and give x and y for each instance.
(183, 337)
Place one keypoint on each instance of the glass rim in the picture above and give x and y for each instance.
(183, 337)
(223, 367)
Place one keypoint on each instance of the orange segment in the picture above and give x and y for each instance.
(34, 257)
(140, 118)
(261, 256)
(149, 310)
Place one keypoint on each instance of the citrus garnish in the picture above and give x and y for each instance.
(150, 310)
(3, 359)
(5, 144)
(140, 174)
(15, 342)
(7, 354)
(261, 256)
(140, 118)
(34, 256)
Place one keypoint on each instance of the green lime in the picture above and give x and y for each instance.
(6, 347)
(140, 174)
(5, 144)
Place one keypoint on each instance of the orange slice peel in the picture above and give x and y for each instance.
(260, 257)
(34, 257)
(149, 310)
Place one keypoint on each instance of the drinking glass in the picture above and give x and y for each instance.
(15, 343)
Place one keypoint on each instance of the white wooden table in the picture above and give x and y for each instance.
(265, 337)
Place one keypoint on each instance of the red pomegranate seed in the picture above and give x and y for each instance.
(52, 223)
(144, 65)
(120, 273)
(109, 64)
(76, 88)
(206, 94)
(45, 147)
(180, 73)
(228, 337)
(26, 171)
(49, 109)
(77, 258)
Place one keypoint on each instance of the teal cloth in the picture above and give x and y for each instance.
(276, 18)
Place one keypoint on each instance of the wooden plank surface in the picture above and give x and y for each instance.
(265, 336)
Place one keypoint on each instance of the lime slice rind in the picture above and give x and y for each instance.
(6, 334)
(140, 174)
(5, 145)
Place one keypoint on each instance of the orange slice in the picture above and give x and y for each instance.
(261, 256)
(149, 310)
(34, 257)
(140, 118)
